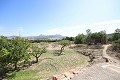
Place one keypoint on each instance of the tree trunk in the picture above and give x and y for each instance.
(36, 60)
(15, 65)
(62, 48)
(60, 51)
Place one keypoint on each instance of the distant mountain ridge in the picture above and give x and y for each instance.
(110, 34)
(52, 37)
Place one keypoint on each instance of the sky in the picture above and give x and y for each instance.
(65, 17)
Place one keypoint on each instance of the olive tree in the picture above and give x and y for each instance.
(37, 51)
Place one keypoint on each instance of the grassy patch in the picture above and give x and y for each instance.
(49, 65)
(59, 64)
(23, 75)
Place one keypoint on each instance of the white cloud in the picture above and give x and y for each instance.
(108, 26)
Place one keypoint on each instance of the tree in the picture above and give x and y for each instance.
(116, 35)
(80, 39)
(37, 51)
(116, 47)
(69, 38)
(99, 37)
(104, 37)
(5, 47)
(88, 39)
(63, 44)
(109, 38)
(19, 50)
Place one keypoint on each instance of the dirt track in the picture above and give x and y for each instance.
(101, 71)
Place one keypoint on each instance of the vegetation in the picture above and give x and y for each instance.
(51, 65)
(37, 51)
(15, 52)
(80, 39)
(63, 43)
(43, 40)
(116, 43)
(99, 37)
(19, 51)
(88, 39)
(116, 39)
(69, 38)
(109, 39)
(4, 55)
(91, 38)
(116, 35)
(12, 52)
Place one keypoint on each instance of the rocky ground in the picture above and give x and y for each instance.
(105, 68)
(103, 71)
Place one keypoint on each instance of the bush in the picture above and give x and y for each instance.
(116, 45)
(80, 39)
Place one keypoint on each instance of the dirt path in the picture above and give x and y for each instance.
(111, 59)
(101, 71)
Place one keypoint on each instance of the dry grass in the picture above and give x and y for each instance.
(49, 64)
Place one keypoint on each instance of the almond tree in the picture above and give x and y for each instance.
(37, 51)
(19, 50)
(63, 44)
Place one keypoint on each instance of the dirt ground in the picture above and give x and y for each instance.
(112, 53)
(102, 71)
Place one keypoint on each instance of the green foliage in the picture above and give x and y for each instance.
(116, 35)
(91, 38)
(13, 51)
(37, 51)
(51, 65)
(19, 50)
(99, 37)
(116, 45)
(63, 43)
(80, 39)
(23, 75)
(116, 42)
(4, 52)
(109, 38)
(69, 38)
(88, 39)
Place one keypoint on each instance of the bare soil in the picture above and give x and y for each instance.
(102, 71)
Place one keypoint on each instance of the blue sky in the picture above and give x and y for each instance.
(66, 17)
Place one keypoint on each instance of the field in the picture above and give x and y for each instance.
(51, 64)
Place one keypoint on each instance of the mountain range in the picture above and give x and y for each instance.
(52, 37)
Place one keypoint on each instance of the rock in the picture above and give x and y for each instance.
(74, 71)
(68, 75)
(59, 77)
